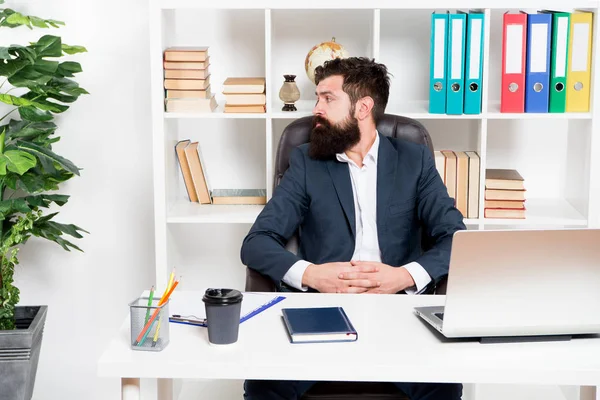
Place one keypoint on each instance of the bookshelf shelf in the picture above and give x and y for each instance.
(493, 112)
(185, 212)
(544, 212)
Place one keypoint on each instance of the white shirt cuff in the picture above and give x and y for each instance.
(293, 276)
(419, 275)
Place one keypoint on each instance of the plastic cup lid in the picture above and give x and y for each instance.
(222, 296)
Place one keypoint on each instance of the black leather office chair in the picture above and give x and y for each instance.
(295, 134)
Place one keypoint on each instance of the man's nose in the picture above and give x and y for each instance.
(318, 110)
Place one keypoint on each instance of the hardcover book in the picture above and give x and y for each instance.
(318, 325)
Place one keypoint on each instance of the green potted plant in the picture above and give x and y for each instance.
(35, 85)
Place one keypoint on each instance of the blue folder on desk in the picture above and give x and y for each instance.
(250, 308)
(318, 325)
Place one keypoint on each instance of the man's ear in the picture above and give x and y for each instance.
(364, 107)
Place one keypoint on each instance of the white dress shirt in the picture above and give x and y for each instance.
(364, 188)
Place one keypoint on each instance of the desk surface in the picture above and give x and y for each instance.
(393, 345)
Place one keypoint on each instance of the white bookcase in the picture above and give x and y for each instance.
(557, 154)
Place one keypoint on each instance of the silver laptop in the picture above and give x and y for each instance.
(521, 284)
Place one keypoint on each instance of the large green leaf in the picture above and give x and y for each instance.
(31, 113)
(11, 206)
(16, 161)
(29, 77)
(73, 49)
(48, 46)
(50, 106)
(14, 19)
(45, 200)
(23, 52)
(68, 68)
(14, 100)
(29, 129)
(4, 53)
(17, 18)
(24, 101)
(46, 67)
(64, 98)
(53, 231)
(11, 67)
(41, 152)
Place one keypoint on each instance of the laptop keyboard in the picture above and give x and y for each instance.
(440, 315)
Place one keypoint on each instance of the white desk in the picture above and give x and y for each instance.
(393, 345)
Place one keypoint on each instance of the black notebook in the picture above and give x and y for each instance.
(318, 325)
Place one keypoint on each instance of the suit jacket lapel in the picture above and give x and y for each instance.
(340, 175)
(387, 163)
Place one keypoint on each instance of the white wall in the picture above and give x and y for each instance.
(108, 133)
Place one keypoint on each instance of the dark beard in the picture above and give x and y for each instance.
(327, 140)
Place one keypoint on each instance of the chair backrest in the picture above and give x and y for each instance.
(297, 133)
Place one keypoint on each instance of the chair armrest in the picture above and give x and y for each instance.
(440, 288)
(256, 282)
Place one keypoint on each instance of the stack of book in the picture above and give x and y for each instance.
(459, 171)
(195, 179)
(504, 194)
(187, 80)
(244, 95)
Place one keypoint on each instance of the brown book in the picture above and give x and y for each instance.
(244, 85)
(508, 179)
(185, 94)
(186, 64)
(185, 169)
(497, 194)
(186, 53)
(473, 201)
(504, 213)
(440, 164)
(462, 182)
(186, 73)
(245, 99)
(192, 151)
(244, 108)
(239, 196)
(187, 84)
(510, 204)
(191, 105)
(450, 178)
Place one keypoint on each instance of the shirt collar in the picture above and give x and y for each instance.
(371, 155)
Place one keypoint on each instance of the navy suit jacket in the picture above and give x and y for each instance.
(316, 197)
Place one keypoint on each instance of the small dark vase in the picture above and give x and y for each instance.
(289, 93)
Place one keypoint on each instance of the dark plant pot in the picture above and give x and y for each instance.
(20, 353)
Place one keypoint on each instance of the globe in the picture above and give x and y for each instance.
(320, 53)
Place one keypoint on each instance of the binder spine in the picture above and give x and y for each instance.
(456, 63)
(474, 63)
(437, 63)
(558, 63)
(537, 72)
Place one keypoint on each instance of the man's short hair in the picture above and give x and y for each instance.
(362, 77)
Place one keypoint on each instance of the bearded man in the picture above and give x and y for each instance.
(359, 200)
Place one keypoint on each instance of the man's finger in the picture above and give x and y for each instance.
(366, 267)
(352, 289)
(354, 275)
(365, 283)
